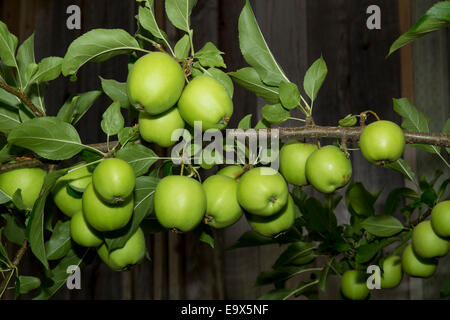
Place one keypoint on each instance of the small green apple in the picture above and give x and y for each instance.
(416, 266)
(82, 233)
(328, 169)
(113, 180)
(205, 99)
(275, 224)
(28, 180)
(234, 171)
(104, 216)
(382, 141)
(426, 243)
(293, 156)
(440, 218)
(392, 272)
(155, 82)
(222, 207)
(353, 285)
(262, 191)
(180, 203)
(159, 128)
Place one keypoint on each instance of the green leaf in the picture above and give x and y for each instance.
(223, 78)
(49, 137)
(182, 47)
(445, 290)
(143, 206)
(250, 80)
(246, 122)
(251, 239)
(66, 112)
(13, 231)
(28, 283)
(360, 201)
(35, 226)
(403, 167)
(139, 157)
(434, 19)
(112, 119)
(179, 12)
(8, 45)
(314, 78)
(349, 121)
(382, 225)
(147, 20)
(60, 242)
(18, 201)
(323, 280)
(9, 118)
(278, 275)
(25, 57)
(289, 95)
(127, 134)
(49, 69)
(275, 113)
(36, 92)
(442, 188)
(210, 56)
(277, 294)
(429, 197)
(83, 103)
(395, 199)
(95, 46)
(297, 252)
(318, 218)
(366, 252)
(255, 50)
(204, 233)
(4, 198)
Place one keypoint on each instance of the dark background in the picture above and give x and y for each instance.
(298, 32)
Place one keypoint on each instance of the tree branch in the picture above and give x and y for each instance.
(21, 164)
(22, 97)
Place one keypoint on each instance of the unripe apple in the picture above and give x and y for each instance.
(293, 156)
(416, 266)
(275, 224)
(392, 272)
(180, 203)
(382, 141)
(262, 191)
(82, 233)
(159, 128)
(28, 180)
(155, 82)
(222, 207)
(440, 218)
(205, 99)
(113, 180)
(234, 171)
(426, 243)
(129, 255)
(328, 169)
(103, 216)
(353, 285)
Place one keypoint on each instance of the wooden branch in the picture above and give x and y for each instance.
(22, 97)
(21, 164)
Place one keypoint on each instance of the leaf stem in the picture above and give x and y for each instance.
(301, 289)
(298, 119)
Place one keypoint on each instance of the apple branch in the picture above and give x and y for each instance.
(22, 98)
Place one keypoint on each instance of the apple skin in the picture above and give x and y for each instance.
(328, 169)
(293, 156)
(155, 82)
(28, 180)
(205, 99)
(392, 272)
(426, 243)
(234, 171)
(222, 207)
(353, 285)
(275, 224)
(103, 216)
(159, 128)
(113, 180)
(124, 258)
(180, 203)
(416, 266)
(382, 141)
(82, 233)
(440, 218)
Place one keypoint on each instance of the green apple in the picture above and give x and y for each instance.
(392, 272)
(328, 169)
(382, 141)
(82, 233)
(293, 156)
(426, 243)
(353, 285)
(113, 180)
(28, 180)
(262, 191)
(180, 203)
(155, 82)
(234, 171)
(124, 258)
(416, 266)
(159, 128)
(205, 99)
(440, 218)
(222, 207)
(104, 216)
(275, 224)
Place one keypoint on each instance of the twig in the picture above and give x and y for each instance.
(19, 255)
(22, 164)
(23, 98)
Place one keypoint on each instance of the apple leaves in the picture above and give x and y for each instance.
(112, 119)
